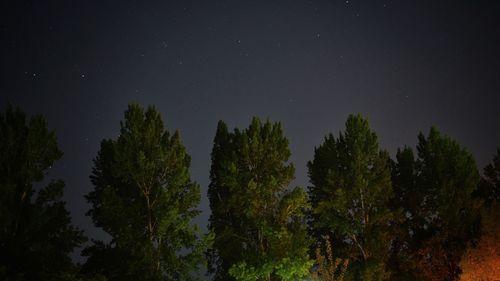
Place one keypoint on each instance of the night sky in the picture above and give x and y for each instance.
(406, 65)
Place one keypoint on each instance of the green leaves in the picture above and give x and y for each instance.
(408, 219)
(144, 198)
(293, 268)
(351, 193)
(287, 269)
(244, 272)
(257, 219)
(435, 190)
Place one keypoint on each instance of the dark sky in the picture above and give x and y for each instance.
(406, 65)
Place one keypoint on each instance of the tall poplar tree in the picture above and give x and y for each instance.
(36, 234)
(408, 199)
(144, 199)
(350, 195)
(258, 220)
(436, 192)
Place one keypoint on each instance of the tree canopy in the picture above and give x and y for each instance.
(436, 191)
(350, 194)
(489, 187)
(36, 234)
(426, 215)
(257, 218)
(144, 199)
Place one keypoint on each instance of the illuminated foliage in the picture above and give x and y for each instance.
(329, 268)
(482, 262)
(144, 198)
(258, 221)
(436, 193)
(350, 195)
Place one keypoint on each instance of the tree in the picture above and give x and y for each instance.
(36, 234)
(144, 198)
(482, 261)
(257, 219)
(350, 194)
(328, 267)
(489, 187)
(407, 198)
(436, 193)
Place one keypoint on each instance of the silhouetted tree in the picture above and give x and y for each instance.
(257, 219)
(350, 194)
(489, 188)
(144, 198)
(36, 234)
(223, 221)
(482, 261)
(436, 193)
(407, 197)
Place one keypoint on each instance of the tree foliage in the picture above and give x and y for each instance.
(416, 218)
(482, 261)
(436, 192)
(36, 234)
(144, 199)
(489, 188)
(350, 194)
(329, 268)
(257, 219)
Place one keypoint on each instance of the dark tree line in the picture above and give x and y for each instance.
(36, 234)
(415, 217)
